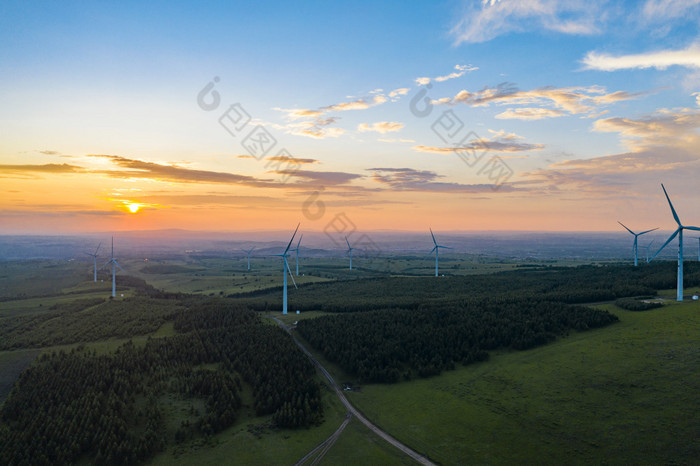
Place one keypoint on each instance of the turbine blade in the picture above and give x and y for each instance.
(346, 240)
(639, 234)
(670, 238)
(120, 267)
(693, 228)
(290, 241)
(431, 234)
(98, 248)
(105, 264)
(290, 274)
(625, 227)
(675, 215)
(302, 235)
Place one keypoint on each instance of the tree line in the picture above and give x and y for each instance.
(572, 285)
(394, 344)
(109, 408)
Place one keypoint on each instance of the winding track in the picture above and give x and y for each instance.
(352, 411)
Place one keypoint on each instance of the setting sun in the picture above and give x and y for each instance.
(133, 207)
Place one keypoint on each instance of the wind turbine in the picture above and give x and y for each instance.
(115, 264)
(698, 248)
(437, 246)
(636, 235)
(94, 257)
(248, 253)
(647, 248)
(297, 251)
(285, 269)
(349, 253)
(679, 233)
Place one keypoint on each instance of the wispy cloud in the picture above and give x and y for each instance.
(554, 101)
(529, 113)
(13, 171)
(461, 70)
(318, 128)
(663, 10)
(316, 178)
(315, 125)
(397, 93)
(392, 140)
(150, 170)
(664, 127)
(297, 160)
(688, 57)
(500, 142)
(409, 179)
(497, 17)
(662, 145)
(381, 127)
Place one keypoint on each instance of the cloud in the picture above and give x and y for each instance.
(662, 10)
(498, 17)
(318, 128)
(149, 170)
(688, 57)
(320, 178)
(662, 145)
(529, 113)
(381, 127)
(399, 92)
(677, 128)
(296, 113)
(461, 70)
(7, 171)
(392, 140)
(409, 179)
(501, 142)
(170, 173)
(297, 160)
(571, 100)
(357, 104)
(57, 211)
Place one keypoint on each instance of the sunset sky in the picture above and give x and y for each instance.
(461, 115)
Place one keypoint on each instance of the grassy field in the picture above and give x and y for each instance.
(626, 394)
(358, 445)
(252, 441)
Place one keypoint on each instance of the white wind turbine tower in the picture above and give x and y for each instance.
(636, 235)
(437, 246)
(248, 253)
(285, 269)
(297, 251)
(679, 233)
(349, 253)
(94, 257)
(115, 264)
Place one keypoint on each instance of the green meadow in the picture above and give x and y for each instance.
(625, 394)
